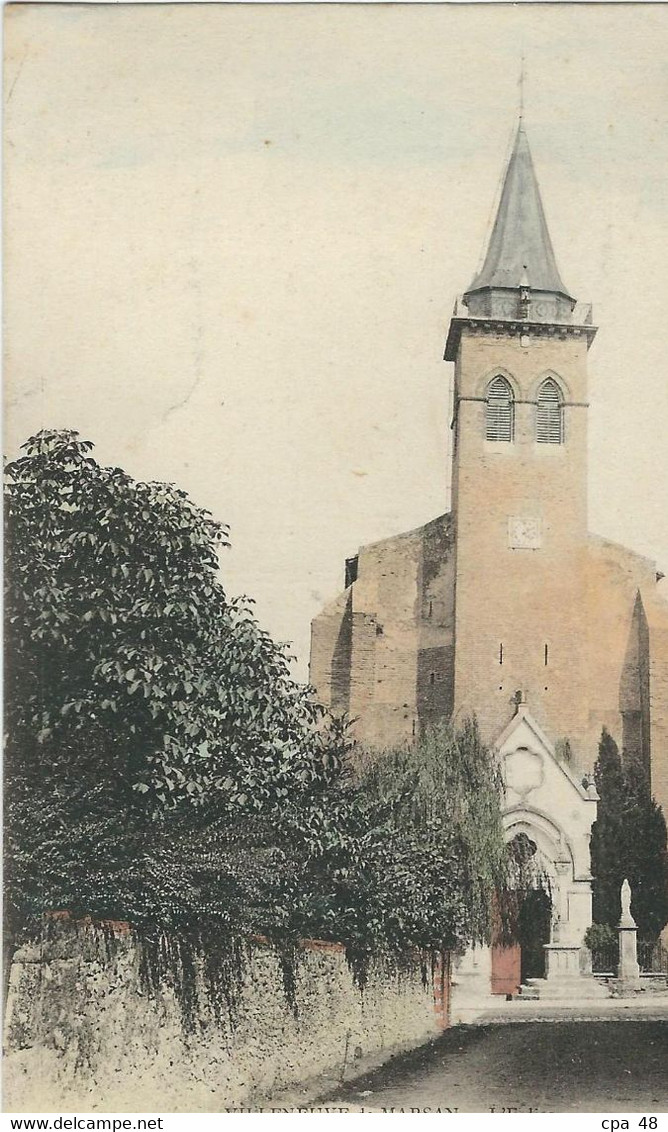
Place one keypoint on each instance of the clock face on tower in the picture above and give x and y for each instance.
(524, 533)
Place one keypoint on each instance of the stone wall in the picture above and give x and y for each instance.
(657, 613)
(619, 583)
(331, 653)
(82, 1034)
(384, 650)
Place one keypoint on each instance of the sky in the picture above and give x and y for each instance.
(234, 235)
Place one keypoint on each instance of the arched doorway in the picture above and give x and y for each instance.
(523, 920)
(533, 931)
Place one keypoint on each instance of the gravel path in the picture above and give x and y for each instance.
(613, 1067)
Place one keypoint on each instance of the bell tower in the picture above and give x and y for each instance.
(519, 342)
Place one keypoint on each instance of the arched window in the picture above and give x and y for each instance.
(549, 414)
(499, 411)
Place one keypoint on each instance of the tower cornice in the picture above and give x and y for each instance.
(578, 327)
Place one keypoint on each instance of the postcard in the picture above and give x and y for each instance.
(336, 680)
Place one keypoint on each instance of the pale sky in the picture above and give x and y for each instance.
(235, 234)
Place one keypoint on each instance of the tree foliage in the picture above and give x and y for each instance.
(435, 839)
(162, 767)
(628, 840)
(141, 703)
(403, 857)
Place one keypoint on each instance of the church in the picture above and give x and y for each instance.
(507, 607)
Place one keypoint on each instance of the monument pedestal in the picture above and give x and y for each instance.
(563, 977)
(562, 961)
(628, 971)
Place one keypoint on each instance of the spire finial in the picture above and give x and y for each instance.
(522, 77)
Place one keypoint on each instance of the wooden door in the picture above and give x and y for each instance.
(506, 968)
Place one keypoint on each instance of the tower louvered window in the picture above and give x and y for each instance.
(549, 414)
(500, 411)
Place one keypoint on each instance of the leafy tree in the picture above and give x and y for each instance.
(628, 841)
(163, 767)
(602, 941)
(141, 704)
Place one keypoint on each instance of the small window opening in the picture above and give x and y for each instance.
(500, 411)
(546, 655)
(430, 609)
(432, 677)
(501, 654)
(549, 414)
(351, 570)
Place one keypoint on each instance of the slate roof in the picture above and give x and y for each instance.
(520, 250)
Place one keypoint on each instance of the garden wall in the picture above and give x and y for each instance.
(83, 1034)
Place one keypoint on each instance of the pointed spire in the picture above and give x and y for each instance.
(519, 283)
(520, 250)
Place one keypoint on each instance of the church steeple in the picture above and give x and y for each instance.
(519, 284)
(520, 250)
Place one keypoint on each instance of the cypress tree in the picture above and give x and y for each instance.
(628, 840)
(647, 854)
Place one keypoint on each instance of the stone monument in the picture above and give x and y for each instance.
(628, 971)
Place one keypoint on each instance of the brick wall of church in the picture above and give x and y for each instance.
(520, 612)
(618, 662)
(436, 619)
(331, 653)
(390, 650)
(395, 624)
(657, 614)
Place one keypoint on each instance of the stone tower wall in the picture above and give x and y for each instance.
(513, 602)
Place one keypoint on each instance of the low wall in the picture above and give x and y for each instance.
(82, 1034)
